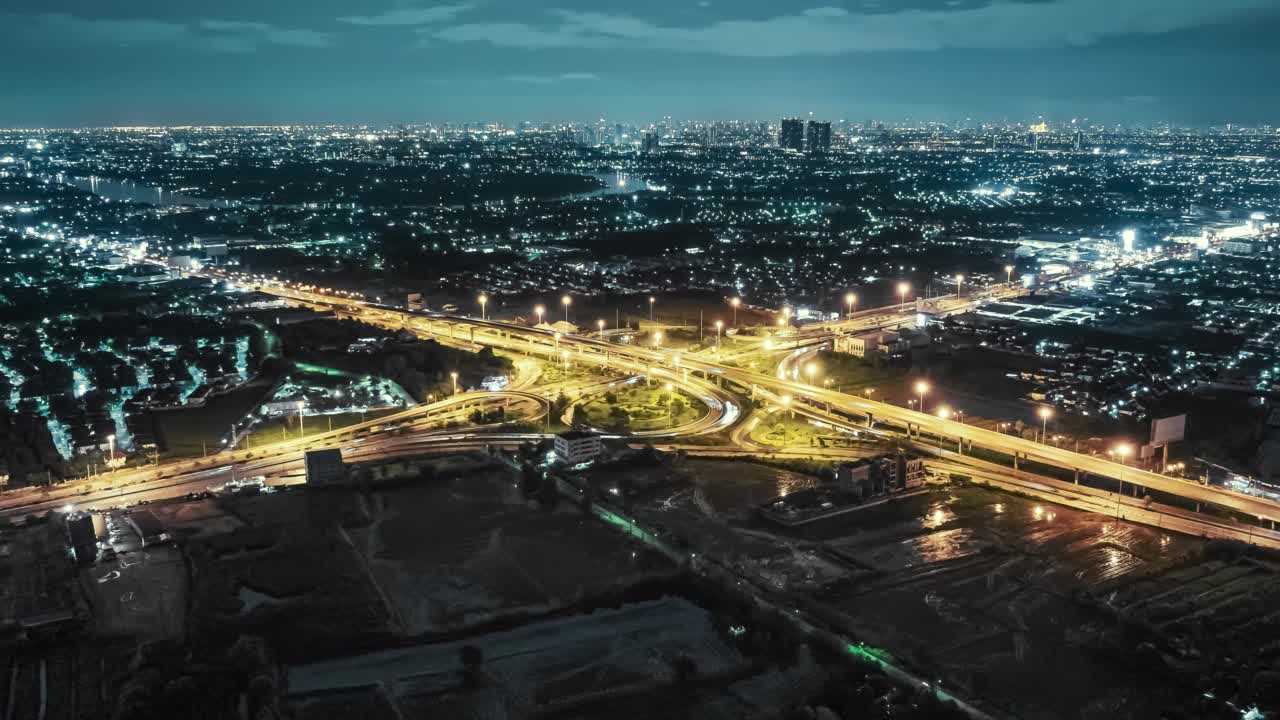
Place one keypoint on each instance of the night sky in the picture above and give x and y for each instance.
(76, 62)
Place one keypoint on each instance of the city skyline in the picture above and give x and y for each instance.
(153, 64)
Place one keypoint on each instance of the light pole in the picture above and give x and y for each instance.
(600, 324)
(1008, 274)
(1045, 414)
(657, 339)
(652, 300)
(902, 293)
(850, 300)
(566, 301)
(719, 327)
(111, 452)
(868, 392)
(454, 376)
(786, 403)
(959, 279)
(735, 302)
(811, 369)
(484, 300)
(539, 310)
(1122, 451)
(922, 387)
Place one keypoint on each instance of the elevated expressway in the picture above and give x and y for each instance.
(865, 412)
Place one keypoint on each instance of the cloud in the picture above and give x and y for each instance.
(262, 33)
(208, 35)
(828, 30)
(548, 79)
(407, 17)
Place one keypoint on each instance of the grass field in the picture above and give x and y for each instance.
(191, 432)
(780, 431)
(647, 408)
(286, 428)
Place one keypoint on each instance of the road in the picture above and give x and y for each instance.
(679, 365)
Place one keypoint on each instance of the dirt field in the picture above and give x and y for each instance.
(995, 592)
(451, 552)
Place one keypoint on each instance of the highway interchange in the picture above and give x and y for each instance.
(704, 375)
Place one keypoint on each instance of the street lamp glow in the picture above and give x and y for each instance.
(1045, 413)
(484, 300)
(600, 324)
(959, 280)
(719, 327)
(811, 369)
(922, 387)
(566, 301)
(539, 310)
(1008, 274)
(944, 412)
(652, 300)
(734, 303)
(657, 339)
(903, 289)
(850, 299)
(454, 377)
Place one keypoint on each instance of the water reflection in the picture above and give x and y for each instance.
(944, 545)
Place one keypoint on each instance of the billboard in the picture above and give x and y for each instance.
(1168, 430)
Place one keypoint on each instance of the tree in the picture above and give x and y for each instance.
(577, 416)
(684, 670)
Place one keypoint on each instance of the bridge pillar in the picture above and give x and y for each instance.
(1077, 475)
(1016, 454)
(871, 420)
(473, 333)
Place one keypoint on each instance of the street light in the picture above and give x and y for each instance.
(902, 292)
(868, 391)
(600, 324)
(454, 377)
(959, 279)
(652, 300)
(484, 299)
(786, 403)
(850, 299)
(657, 339)
(922, 387)
(111, 451)
(1008, 274)
(944, 412)
(811, 369)
(1122, 451)
(719, 327)
(539, 310)
(566, 301)
(735, 302)
(1045, 413)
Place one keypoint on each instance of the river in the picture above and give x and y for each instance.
(128, 191)
(131, 192)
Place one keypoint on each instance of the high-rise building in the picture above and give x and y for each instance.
(819, 140)
(791, 135)
(649, 143)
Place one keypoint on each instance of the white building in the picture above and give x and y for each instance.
(577, 447)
